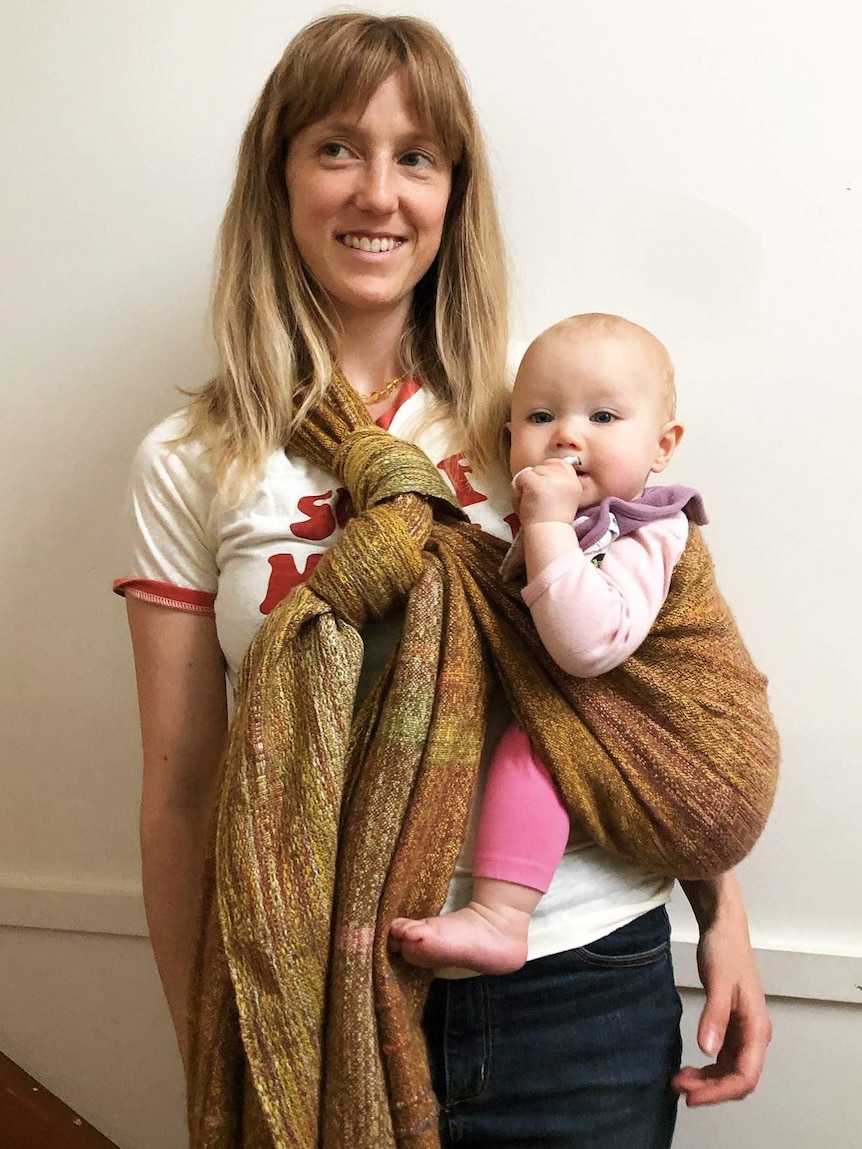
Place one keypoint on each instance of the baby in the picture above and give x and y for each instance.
(593, 416)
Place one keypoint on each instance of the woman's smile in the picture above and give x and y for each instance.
(374, 182)
(370, 243)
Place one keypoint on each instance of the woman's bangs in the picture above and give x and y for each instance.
(343, 76)
(343, 82)
(440, 103)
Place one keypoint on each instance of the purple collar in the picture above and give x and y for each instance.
(655, 503)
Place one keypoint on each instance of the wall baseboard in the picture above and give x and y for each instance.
(786, 972)
(811, 975)
(92, 909)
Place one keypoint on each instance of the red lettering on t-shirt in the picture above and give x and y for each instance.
(514, 523)
(457, 470)
(284, 576)
(320, 519)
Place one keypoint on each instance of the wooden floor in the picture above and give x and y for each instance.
(33, 1118)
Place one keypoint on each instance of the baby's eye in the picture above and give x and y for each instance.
(602, 417)
(540, 417)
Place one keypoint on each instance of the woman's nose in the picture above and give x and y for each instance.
(377, 188)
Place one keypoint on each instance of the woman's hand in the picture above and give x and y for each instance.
(734, 1024)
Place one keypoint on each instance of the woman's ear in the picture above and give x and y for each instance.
(668, 440)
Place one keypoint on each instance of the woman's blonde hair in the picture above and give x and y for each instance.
(275, 329)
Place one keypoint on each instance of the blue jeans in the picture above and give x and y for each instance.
(574, 1051)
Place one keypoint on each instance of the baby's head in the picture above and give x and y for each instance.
(602, 388)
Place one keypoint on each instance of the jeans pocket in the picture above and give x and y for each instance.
(642, 942)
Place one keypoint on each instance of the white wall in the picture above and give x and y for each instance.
(697, 168)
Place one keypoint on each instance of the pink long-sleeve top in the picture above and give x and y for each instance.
(591, 618)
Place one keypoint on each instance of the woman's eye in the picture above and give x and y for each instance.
(333, 151)
(603, 417)
(417, 160)
(541, 417)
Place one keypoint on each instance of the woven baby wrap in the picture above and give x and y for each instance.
(305, 1032)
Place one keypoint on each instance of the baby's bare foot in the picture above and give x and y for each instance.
(475, 937)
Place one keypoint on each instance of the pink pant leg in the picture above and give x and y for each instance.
(523, 825)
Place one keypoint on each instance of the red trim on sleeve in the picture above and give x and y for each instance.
(406, 391)
(166, 594)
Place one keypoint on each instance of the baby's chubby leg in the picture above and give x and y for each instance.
(489, 935)
(523, 829)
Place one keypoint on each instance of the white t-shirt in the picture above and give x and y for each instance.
(190, 551)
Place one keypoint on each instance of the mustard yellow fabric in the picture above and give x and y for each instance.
(305, 1032)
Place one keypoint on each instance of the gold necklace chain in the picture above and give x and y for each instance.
(384, 391)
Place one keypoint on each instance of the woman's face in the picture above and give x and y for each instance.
(368, 193)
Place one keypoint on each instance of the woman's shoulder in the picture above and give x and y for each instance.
(169, 438)
(167, 451)
(170, 478)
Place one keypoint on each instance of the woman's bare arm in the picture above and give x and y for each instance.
(183, 707)
(734, 1026)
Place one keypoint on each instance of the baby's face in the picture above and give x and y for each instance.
(598, 396)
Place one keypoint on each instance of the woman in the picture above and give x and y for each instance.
(361, 257)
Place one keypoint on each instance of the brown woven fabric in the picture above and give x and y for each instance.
(304, 1031)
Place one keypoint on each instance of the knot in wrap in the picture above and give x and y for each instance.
(395, 490)
(374, 466)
